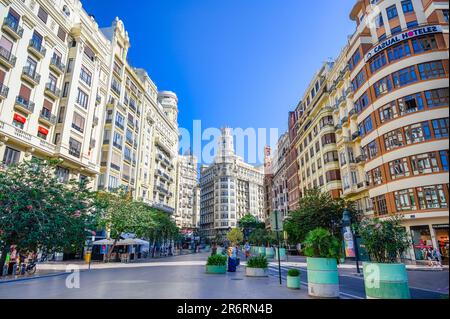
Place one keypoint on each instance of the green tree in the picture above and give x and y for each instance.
(248, 223)
(384, 240)
(235, 236)
(317, 210)
(39, 212)
(262, 237)
(121, 214)
(320, 243)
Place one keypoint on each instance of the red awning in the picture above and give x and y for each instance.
(42, 130)
(19, 118)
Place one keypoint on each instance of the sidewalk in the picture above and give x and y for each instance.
(62, 267)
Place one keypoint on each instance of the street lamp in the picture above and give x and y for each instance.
(351, 245)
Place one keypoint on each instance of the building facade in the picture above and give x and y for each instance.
(280, 191)
(399, 68)
(187, 211)
(68, 92)
(230, 189)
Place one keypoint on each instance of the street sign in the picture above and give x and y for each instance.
(276, 221)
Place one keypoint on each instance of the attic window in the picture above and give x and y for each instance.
(66, 11)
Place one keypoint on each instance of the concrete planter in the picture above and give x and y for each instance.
(386, 281)
(283, 255)
(256, 272)
(270, 252)
(262, 251)
(293, 282)
(323, 277)
(216, 269)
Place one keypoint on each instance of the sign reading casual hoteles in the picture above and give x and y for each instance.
(401, 37)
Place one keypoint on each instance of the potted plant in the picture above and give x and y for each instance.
(293, 279)
(257, 267)
(322, 250)
(385, 241)
(217, 264)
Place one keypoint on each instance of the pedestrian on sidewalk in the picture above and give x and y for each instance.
(214, 249)
(232, 258)
(437, 257)
(247, 250)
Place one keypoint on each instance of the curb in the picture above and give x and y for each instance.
(33, 278)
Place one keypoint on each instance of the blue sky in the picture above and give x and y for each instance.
(239, 63)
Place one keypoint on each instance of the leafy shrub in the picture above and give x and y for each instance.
(385, 240)
(293, 273)
(217, 260)
(257, 262)
(321, 244)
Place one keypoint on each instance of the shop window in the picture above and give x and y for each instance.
(421, 238)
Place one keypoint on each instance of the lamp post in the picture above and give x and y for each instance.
(351, 245)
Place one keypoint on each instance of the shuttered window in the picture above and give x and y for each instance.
(43, 15)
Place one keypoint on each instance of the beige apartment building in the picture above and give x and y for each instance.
(230, 189)
(279, 187)
(68, 92)
(187, 212)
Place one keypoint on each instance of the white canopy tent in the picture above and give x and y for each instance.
(122, 242)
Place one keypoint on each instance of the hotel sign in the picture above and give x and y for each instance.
(410, 34)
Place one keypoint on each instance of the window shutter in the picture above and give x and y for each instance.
(43, 15)
(62, 34)
(25, 92)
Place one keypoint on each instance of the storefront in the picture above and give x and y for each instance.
(441, 235)
(421, 240)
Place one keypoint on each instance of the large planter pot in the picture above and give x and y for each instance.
(256, 272)
(262, 251)
(323, 277)
(270, 252)
(386, 281)
(282, 254)
(216, 269)
(293, 282)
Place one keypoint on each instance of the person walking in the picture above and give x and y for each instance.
(437, 256)
(232, 258)
(214, 249)
(247, 250)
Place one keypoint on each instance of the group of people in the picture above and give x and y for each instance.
(433, 256)
(232, 251)
(15, 259)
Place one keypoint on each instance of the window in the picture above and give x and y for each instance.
(407, 6)
(424, 164)
(380, 206)
(431, 70)
(113, 182)
(117, 141)
(89, 52)
(399, 51)
(317, 146)
(62, 113)
(445, 14)
(355, 59)
(392, 12)
(359, 79)
(43, 15)
(404, 77)
(74, 147)
(437, 97)
(377, 177)
(371, 150)
(328, 139)
(86, 76)
(42, 133)
(11, 156)
(62, 34)
(378, 62)
(62, 174)
(368, 126)
(393, 139)
(432, 197)
(379, 21)
(13, 18)
(36, 40)
(440, 128)
(334, 175)
(424, 44)
(383, 86)
(66, 89)
(120, 120)
(410, 104)
(362, 103)
(444, 160)
(78, 122)
(412, 24)
(405, 200)
(399, 168)
(382, 37)
(330, 157)
(388, 112)
(396, 30)
(70, 65)
(5, 48)
(82, 99)
(52, 82)
(417, 133)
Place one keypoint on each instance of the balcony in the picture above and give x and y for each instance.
(360, 159)
(24, 105)
(115, 89)
(47, 117)
(98, 99)
(333, 87)
(57, 66)
(95, 121)
(356, 136)
(4, 90)
(349, 92)
(74, 152)
(341, 100)
(52, 91)
(344, 121)
(117, 145)
(338, 128)
(36, 48)
(353, 114)
(31, 76)
(7, 59)
(13, 28)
